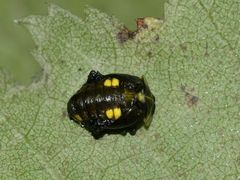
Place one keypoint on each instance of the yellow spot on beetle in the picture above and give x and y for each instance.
(107, 83)
(77, 118)
(141, 97)
(109, 113)
(117, 113)
(115, 82)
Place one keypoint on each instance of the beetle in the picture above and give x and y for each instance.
(112, 103)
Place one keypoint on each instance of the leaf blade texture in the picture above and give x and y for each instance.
(192, 65)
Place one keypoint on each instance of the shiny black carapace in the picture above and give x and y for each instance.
(113, 103)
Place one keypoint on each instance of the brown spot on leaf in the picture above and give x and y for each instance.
(190, 99)
(149, 54)
(141, 23)
(183, 46)
(125, 34)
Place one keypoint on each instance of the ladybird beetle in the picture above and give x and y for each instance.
(112, 103)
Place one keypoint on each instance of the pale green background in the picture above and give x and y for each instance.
(16, 44)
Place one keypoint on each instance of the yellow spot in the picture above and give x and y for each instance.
(115, 82)
(77, 118)
(141, 97)
(107, 82)
(109, 113)
(117, 113)
(128, 95)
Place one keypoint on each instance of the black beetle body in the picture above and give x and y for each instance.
(113, 103)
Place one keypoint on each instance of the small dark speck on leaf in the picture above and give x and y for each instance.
(125, 34)
(64, 114)
(183, 46)
(206, 50)
(238, 160)
(149, 54)
(79, 69)
(190, 99)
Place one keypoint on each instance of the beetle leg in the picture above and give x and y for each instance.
(123, 132)
(94, 76)
(97, 134)
(132, 130)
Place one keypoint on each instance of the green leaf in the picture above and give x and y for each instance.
(192, 64)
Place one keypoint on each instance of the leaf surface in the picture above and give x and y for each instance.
(192, 64)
